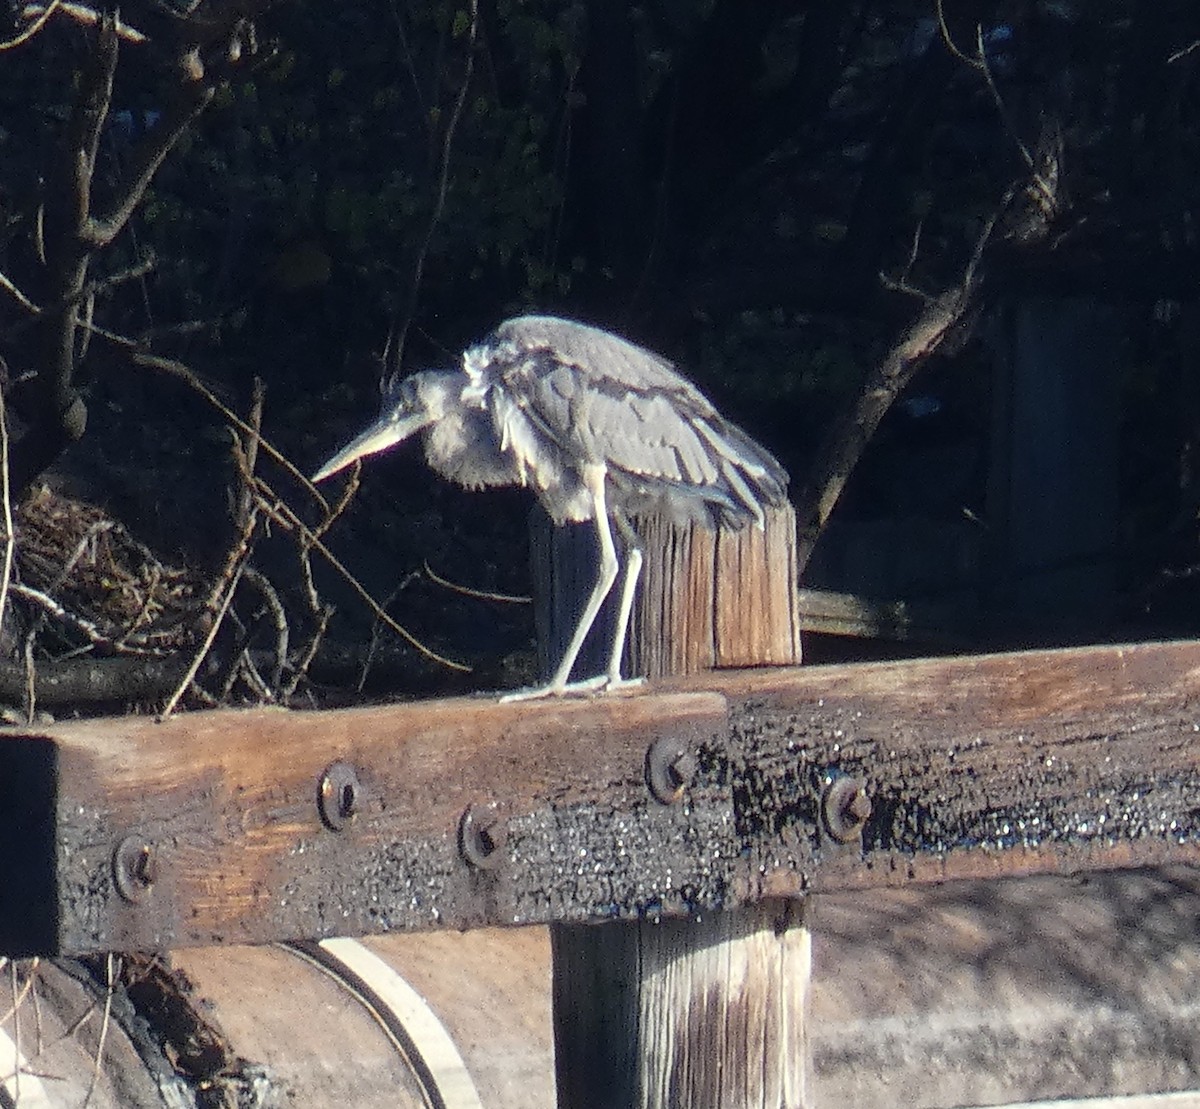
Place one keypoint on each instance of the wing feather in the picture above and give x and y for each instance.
(587, 397)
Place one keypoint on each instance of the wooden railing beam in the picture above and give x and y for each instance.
(128, 834)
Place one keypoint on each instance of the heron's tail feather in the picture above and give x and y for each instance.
(751, 478)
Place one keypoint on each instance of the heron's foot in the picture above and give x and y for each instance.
(601, 683)
(615, 685)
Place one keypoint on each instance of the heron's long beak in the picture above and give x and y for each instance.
(391, 428)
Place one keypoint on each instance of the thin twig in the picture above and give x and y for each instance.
(214, 627)
(279, 617)
(247, 456)
(285, 517)
(143, 612)
(323, 614)
(39, 21)
(30, 676)
(16, 1036)
(306, 576)
(148, 156)
(105, 1018)
(1183, 52)
(40, 1043)
(435, 217)
(85, 295)
(244, 668)
(89, 537)
(948, 40)
(373, 646)
(902, 284)
(302, 663)
(10, 535)
(409, 64)
(81, 14)
(87, 628)
(185, 374)
(479, 594)
(18, 296)
(17, 998)
(219, 600)
(980, 63)
(333, 511)
(998, 100)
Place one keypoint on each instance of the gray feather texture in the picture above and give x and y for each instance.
(589, 396)
(596, 427)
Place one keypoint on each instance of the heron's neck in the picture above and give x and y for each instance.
(461, 446)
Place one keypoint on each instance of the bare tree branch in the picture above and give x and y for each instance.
(396, 349)
(185, 374)
(39, 14)
(76, 226)
(844, 446)
(53, 408)
(40, 17)
(194, 97)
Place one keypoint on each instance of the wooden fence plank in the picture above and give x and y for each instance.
(220, 813)
(1052, 761)
(1035, 762)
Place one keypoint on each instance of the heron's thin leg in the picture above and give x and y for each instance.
(594, 478)
(633, 570)
(604, 582)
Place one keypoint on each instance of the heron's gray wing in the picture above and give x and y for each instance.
(601, 400)
(600, 355)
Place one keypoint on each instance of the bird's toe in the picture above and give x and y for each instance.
(600, 683)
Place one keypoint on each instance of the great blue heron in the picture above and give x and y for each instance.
(598, 428)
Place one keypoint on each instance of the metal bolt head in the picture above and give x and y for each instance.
(339, 796)
(134, 868)
(481, 837)
(670, 769)
(845, 808)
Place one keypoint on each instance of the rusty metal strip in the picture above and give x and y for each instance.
(404, 1016)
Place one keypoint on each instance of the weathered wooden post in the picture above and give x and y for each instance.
(704, 1011)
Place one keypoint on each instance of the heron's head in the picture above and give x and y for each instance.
(408, 406)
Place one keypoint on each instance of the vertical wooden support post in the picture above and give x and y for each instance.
(704, 1011)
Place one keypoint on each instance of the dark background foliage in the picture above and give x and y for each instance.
(724, 182)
